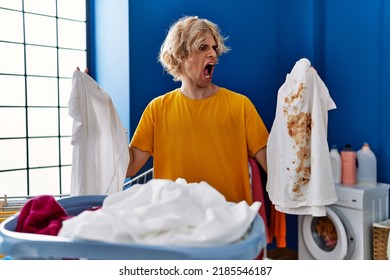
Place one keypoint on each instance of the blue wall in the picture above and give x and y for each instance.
(251, 66)
(347, 41)
(109, 51)
(355, 65)
(383, 149)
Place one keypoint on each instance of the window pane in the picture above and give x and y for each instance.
(12, 90)
(65, 89)
(14, 183)
(41, 61)
(44, 181)
(41, 44)
(65, 179)
(34, 30)
(46, 7)
(71, 34)
(13, 154)
(42, 91)
(66, 151)
(43, 152)
(69, 60)
(66, 122)
(42, 122)
(74, 9)
(11, 4)
(12, 58)
(12, 122)
(14, 22)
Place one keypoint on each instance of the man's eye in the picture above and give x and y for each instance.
(202, 47)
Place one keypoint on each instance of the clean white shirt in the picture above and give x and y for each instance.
(100, 142)
(299, 171)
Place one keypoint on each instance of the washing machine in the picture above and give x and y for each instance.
(346, 230)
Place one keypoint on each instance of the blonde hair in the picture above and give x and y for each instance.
(183, 38)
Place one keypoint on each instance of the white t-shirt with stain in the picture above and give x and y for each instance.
(299, 171)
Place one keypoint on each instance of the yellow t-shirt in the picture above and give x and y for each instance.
(203, 140)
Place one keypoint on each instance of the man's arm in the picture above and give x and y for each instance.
(261, 157)
(137, 159)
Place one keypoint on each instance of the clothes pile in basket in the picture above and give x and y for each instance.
(42, 215)
(163, 212)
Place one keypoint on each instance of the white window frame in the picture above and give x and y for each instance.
(11, 184)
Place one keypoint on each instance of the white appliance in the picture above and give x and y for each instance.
(351, 217)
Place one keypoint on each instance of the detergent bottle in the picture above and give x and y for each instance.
(335, 162)
(348, 166)
(366, 171)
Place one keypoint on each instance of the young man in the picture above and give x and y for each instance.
(200, 131)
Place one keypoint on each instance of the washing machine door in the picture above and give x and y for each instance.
(330, 237)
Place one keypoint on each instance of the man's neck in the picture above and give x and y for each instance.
(199, 93)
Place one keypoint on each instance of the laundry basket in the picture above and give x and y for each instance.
(7, 211)
(381, 232)
(37, 246)
(3, 216)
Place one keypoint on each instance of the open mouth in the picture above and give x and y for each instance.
(208, 70)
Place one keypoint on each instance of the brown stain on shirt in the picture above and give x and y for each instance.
(299, 127)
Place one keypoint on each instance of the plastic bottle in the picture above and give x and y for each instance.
(335, 161)
(348, 166)
(366, 171)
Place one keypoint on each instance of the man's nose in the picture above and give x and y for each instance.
(212, 53)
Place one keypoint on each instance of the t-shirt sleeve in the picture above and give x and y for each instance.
(143, 137)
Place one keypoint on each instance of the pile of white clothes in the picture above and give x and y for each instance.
(164, 212)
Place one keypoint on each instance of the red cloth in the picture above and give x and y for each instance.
(276, 222)
(41, 215)
(257, 195)
(257, 188)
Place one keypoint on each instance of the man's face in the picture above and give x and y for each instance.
(198, 68)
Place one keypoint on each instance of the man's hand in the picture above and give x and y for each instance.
(85, 70)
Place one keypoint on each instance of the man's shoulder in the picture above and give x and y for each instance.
(163, 99)
(234, 94)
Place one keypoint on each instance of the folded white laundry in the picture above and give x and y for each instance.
(164, 212)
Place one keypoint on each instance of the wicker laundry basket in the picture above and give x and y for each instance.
(381, 232)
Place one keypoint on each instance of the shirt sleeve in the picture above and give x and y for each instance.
(143, 138)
